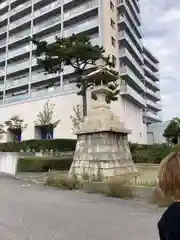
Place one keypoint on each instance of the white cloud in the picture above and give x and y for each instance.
(161, 19)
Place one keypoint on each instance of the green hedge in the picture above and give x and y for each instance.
(43, 164)
(61, 145)
(151, 153)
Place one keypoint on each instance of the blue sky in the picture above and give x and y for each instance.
(161, 21)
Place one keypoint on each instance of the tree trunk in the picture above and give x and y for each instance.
(84, 98)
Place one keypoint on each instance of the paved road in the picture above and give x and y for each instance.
(43, 213)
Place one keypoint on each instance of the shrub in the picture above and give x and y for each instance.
(61, 145)
(63, 182)
(150, 153)
(43, 164)
(119, 188)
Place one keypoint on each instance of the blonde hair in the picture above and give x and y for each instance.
(169, 176)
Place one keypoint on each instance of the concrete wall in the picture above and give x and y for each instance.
(128, 113)
(155, 133)
(8, 162)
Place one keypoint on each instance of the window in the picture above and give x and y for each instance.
(113, 41)
(111, 6)
(112, 24)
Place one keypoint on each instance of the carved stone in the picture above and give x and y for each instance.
(102, 149)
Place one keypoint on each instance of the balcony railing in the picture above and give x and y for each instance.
(45, 92)
(135, 97)
(126, 21)
(81, 27)
(19, 51)
(125, 53)
(20, 21)
(123, 35)
(17, 98)
(154, 75)
(46, 24)
(18, 82)
(126, 71)
(154, 105)
(18, 66)
(47, 8)
(154, 85)
(80, 9)
(21, 7)
(151, 117)
(154, 65)
(138, 29)
(22, 34)
(40, 76)
(155, 95)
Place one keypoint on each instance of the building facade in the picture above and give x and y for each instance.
(155, 132)
(115, 25)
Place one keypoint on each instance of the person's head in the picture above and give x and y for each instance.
(169, 176)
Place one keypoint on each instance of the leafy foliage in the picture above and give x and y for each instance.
(55, 145)
(45, 118)
(78, 52)
(77, 118)
(2, 131)
(16, 125)
(172, 131)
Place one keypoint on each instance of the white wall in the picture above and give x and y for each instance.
(155, 133)
(128, 113)
(8, 162)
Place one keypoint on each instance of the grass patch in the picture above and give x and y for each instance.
(63, 182)
(117, 188)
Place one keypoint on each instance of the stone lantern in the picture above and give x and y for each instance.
(102, 149)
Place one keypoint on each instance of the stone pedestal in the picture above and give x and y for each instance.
(102, 149)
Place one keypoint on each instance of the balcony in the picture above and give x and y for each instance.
(3, 42)
(40, 76)
(152, 84)
(21, 81)
(21, 7)
(83, 8)
(125, 6)
(19, 51)
(3, 4)
(123, 36)
(2, 57)
(35, 93)
(81, 27)
(67, 1)
(153, 105)
(124, 20)
(124, 53)
(19, 22)
(133, 96)
(17, 66)
(155, 95)
(3, 29)
(46, 24)
(151, 74)
(16, 98)
(153, 65)
(150, 117)
(47, 8)
(19, 36)
(135, 12)
(131, 78)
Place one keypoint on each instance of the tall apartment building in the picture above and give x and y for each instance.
(113, 24)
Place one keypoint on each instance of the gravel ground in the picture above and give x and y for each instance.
(35, 212)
